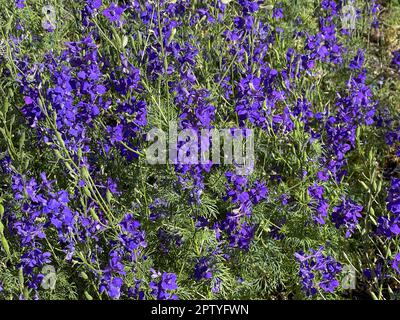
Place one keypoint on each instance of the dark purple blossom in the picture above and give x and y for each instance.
(277, 12)
(396, 263)
(346, 215)
(202, 269)
(316, 268)
(393, 198)
(161, 290)
(358, 61)
(389, 226)
(318, 203)
(113, 12)
(20, 4)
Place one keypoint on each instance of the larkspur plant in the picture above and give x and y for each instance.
(84, 83)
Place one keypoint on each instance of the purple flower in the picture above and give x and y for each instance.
(160, 290)
(316, 267)
(113, 12)
(135, 292)
(132, 238)
(277, 13)
(396, 59)
(390, 226)
(239, 231)
(330, 6)
(202, 269)
(396, 263)
(5, 164)
(346, 214)
(393, 198)
(94, 4)
(20, 4)
(114, 290)
(357, 62)
(216, 286)
(318, 204)
(168, 281)
(259, 192)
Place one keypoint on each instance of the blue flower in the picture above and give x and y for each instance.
(347, 214)
(113, 12)
(396, 263)
(316, 266)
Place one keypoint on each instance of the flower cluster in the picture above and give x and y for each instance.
(243, 196)
(346, 215)
(390, 226)
(161, 290)
(314, 267)
(79, 193)
(318, 203)
(396, 262)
